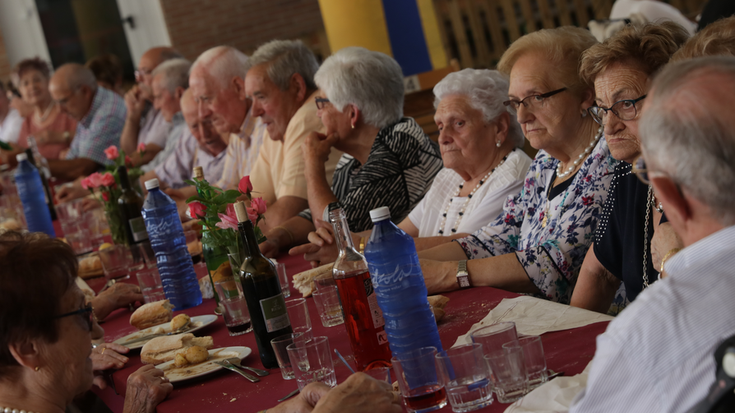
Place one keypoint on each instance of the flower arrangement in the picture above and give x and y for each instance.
(106, 188)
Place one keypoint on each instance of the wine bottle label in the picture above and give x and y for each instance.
(137, 227)
(372, 299)
(274, 313)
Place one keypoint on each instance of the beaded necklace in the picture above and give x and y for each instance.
(466, 202)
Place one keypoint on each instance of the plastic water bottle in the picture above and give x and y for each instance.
(399, 284)
(30, 190)
(169, 243)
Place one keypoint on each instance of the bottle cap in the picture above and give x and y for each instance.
(380, 214)
(21, 157)
(241, 212)
(151, 184)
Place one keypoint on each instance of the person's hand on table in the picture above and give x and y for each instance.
(321, 248)
(70, 192)
(104, 357)
(360, 393)
(175, 194)
(119, 295)
(269, 248)
(303, 402)
(147, 387)
(664, 240)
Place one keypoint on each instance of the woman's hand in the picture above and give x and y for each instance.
(360, 393)
(316, 148)
(147, 387)
(119, 295)
(270, 247)
(104, 357)
(664, 240)
(321, 250)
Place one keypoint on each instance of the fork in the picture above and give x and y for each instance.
(236, 362)
(231, 367)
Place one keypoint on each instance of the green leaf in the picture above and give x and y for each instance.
(5, 146)
(193, 198)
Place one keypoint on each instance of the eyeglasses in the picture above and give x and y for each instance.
(142, 72)
(87, 312)
(65, 100)
(532, 100)
(321, 102)
(623, 109)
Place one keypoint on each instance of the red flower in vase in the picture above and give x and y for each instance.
(197, 209)
(112, 152)
(245, 186)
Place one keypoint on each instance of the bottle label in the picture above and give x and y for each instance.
(137, 227)
(388, 282)
(274, 313)
(372, 299)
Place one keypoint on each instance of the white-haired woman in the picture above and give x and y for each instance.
(387, 161)
(479, 141)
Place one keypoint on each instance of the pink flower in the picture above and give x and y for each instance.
(252, 215)
(85, 183)
(197, 209)
(229, 219)
(258, 204)
(94, 180)
(128, 161)
(112, 152)
(245, 186)
(141, 147)
(107, 179)
(106, 196)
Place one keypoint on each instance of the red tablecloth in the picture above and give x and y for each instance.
(568, 351)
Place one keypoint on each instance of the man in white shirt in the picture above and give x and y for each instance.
(657, 355)
(10, 119)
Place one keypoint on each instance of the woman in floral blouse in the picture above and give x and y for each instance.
(538, 243)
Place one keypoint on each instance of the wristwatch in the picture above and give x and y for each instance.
(463, 277)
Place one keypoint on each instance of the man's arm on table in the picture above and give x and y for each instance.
(283, 209)
(596, 286)
(71, 169)
(293, 231)
(503, 271)
(151, 150)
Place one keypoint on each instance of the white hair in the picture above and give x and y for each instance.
(223, 63)
(687, 134)
(372, 81)
(175, 73)
(80, 76)
(486, 90)
(284, 59)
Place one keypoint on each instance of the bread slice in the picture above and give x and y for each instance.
(304, 281)
(163, 349)
(152, 314)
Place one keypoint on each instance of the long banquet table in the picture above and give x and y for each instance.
(223, 391)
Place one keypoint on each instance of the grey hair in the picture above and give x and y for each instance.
(223, 63)
(81, 76)
(285, 58)
(175, 73)
(486, 90)
(689, 140)
(372, 81)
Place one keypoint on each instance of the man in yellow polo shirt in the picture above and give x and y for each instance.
(280, 83)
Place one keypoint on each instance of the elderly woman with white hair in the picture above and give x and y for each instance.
(479, 141)
(387, 161)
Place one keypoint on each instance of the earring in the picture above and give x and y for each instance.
(353, 125)
(498, 143)
(584, 113)
(37, 368)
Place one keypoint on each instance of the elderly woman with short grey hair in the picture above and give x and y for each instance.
(387, 161)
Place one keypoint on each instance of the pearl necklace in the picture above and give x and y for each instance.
(580, 158)
(40, 119)
(467, 201)
(9, 410)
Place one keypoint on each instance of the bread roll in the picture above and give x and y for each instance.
(304, 281)
(152, 314)
(163, 349)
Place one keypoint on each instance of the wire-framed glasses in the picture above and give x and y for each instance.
(321, 102)
(624, 109)
(532, 100)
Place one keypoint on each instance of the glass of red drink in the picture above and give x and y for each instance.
(420, 385)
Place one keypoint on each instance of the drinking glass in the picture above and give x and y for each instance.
(421, 388)
(115, 261)
(494, 336)
(327, 303)
(150, 285)
(298, 314)
(236, 314)
(508, 372)
(283, 279)
(466, 377)
(533, 356)
(279, 345)
(381, 373)
(311, 361)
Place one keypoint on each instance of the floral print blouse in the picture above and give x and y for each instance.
(551, 255)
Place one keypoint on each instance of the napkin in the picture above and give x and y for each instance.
(552, 397)
(534, 316)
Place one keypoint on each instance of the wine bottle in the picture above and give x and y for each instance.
(130, 205)
(363, 317)
(262, 291)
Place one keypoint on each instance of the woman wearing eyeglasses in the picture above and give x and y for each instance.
(538, 243)
(633, 220)
(388, 159)
(46, 355)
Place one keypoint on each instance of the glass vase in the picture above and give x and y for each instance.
(117, 226)
(215, 257)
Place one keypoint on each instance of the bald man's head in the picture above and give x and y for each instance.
(73, 86)
(149, 61)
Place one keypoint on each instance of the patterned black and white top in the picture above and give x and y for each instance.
(400, 169)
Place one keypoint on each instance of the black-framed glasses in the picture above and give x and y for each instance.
(532, 100)
(321, 102)
(87, 312)
(624, 109)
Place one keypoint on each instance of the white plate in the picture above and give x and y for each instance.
(198, 322)
(175, 374)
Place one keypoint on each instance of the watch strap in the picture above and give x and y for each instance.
(463, 277)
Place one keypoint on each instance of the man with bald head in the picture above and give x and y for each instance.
(100, 114)
(199, 145)
(144, 123)
(657, 355)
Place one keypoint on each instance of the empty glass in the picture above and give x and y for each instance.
(311, 361)
(494, 336)
(533, 356)
(466, 377)
(298, 314)
(328, 305)
(508, 372)
(150, 285)
(279, 345)
(283, 279)
(115, 261)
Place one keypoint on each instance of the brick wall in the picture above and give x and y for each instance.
(196, 25)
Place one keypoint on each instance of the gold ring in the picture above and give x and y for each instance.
(103, 350)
